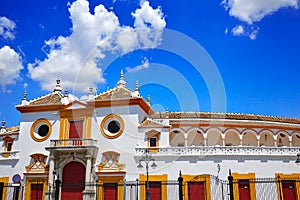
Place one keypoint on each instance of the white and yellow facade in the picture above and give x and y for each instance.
(101, 139)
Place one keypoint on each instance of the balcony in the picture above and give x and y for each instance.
(9, 155)
(223, 151)
(72, 144)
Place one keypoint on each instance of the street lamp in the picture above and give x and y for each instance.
(147, 157)
(298, 159)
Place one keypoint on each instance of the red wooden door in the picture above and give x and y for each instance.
(110, 191)
(196, 191)
(288, 190)
(76, 131)
(244, 190)
(36, 191)
(73, 181)
(155, 190)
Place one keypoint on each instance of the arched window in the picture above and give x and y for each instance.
(176, 139)
(214, 137)
(232, 138)
(249, 138)
(282, 139)
(266, 138)
(195, 138)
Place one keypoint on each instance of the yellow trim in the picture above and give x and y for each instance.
(288, 177)
(196, 178)
(106, 133)
(32, 133)
(30, 181)
(154, 178)
(111, 179)
(89, 127)
(62, 129)
(5, 180)
(237, 177)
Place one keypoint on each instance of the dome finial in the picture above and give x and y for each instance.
(24, 96)
(3, 124)
(167, 113)
(91, 90)
(57, 86)
(149, 99)
(66, 92)
(137, 85)
(121, 82)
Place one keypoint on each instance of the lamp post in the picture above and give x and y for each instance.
(147, 158)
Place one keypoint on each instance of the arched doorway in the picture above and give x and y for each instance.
(73, 181)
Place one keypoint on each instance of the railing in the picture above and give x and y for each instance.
(9, 155)
(222, 150)
(76, 142)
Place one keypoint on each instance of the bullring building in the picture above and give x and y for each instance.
(93, 149)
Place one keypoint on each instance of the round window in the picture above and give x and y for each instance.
(112, 126)
(41, 130)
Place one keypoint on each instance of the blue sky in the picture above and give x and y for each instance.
(221, 56)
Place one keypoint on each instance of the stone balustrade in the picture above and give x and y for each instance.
(222, 151)
(9, 155)
(75, 142)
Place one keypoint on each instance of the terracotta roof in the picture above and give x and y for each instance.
(151, 122)
(53, 98)
(115, 93)
(211, 115)
(13, 128)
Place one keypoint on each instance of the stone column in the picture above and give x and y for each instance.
(205, 139)
(88, 193)
(241, 139)
(49, 192)
(223, 139)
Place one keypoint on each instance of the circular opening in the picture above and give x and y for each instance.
(114, 126)
(43, 130)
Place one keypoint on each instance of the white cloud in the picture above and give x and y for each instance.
(251, 11)
(240, 30)
(144, 65)
(6, 28)
(226, 30)
(253, 34)
(74, 58)
(10, 66)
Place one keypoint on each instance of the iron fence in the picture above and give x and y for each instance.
(211, 188)
(10, 191)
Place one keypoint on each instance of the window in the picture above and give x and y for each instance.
(153, 142)
(8, 143)
(112, 126)
(76, 132)
(41, 130)
(152, 138)
(9, 146)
